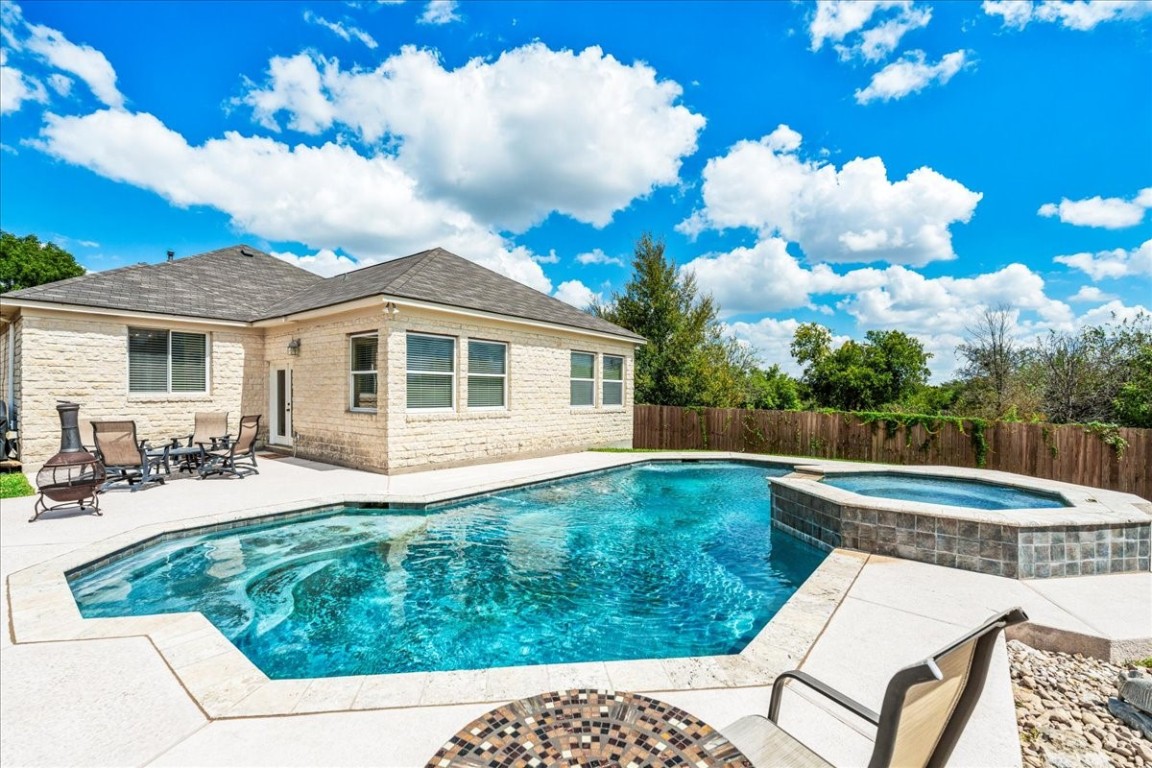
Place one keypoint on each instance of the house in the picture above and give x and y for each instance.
(427, 360)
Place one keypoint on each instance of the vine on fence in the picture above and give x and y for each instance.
(1109, 434)
(894, 422)
(976, 429)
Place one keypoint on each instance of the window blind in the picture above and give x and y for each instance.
(167, 361)
(189, 362)
(613, 385)
(431, 369)
(362, 361)
(487, 374)
(583, 373)
(147, 360)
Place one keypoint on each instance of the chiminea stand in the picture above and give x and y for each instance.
(74, 475)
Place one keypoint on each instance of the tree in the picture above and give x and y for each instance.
(1085, 374)
(771, 389)
(888, 367)
(26, 262)
(1133, 403)
(992, 363)
(687, 360)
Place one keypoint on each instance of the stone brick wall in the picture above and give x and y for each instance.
(85, 358)
(325, 427)
(539, 419)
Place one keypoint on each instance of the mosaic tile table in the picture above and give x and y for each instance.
(587, 728)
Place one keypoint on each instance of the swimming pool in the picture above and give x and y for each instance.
(944, 490)
(654, 561)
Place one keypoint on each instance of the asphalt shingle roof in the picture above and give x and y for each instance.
(236, 283)
(440, 277)
(242, 283)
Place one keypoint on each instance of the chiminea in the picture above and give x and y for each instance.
(73, 476)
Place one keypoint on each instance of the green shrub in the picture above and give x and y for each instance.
(15, 484)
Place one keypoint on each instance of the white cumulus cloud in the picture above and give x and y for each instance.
(324, 262)
(325, 197)
(1105, 212)
(1079, 15)
(83, 61)
(1112, 264)
(440, 12)
(911, 74)
(1090, 294)
(865, 30)
(597, 256)
(508, 140)
(577, 294)
(347, 33)
(854, 214)
(17, 87)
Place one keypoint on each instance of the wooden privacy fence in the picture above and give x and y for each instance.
(1070, 453)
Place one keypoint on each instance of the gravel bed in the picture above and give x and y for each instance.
(1062, 711)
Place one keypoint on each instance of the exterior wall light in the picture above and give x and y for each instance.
(294, 347)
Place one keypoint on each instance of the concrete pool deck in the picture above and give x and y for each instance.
(119, 699)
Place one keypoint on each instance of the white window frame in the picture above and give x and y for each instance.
(451, 374)
(503, 376)
(572, 378)
(604, 381)
(168, 373)
(352, 373)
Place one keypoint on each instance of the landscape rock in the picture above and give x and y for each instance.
(1066, 709)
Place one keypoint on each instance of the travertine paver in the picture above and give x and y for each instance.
(100, 702)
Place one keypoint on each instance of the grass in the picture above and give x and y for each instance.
(1144, 662)
(15, 484)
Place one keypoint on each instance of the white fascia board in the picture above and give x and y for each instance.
(381, 300)
(151, 317)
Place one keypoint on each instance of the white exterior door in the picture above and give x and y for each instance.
(280, 406)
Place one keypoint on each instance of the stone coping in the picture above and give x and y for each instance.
(1086, 506)
(225, 684)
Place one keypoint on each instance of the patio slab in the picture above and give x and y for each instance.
(101, 702)
(831, 629)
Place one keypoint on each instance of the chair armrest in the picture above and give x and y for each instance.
(824, 690)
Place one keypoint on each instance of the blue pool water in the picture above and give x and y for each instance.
(942, 490)
(659, 560)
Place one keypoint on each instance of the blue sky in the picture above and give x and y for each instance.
(899, 164)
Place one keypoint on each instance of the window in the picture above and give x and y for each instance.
(613, 386)
(583, 386)
(362, 371)
(431, 371)
(167, 361)
(487, 374)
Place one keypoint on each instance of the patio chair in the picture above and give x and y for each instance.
(225, 458)
(127, 459)
(209, 432)
(924, 711)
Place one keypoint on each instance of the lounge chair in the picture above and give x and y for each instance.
(924, 711)
(225, 458)
(127, 459)
(210, 431)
